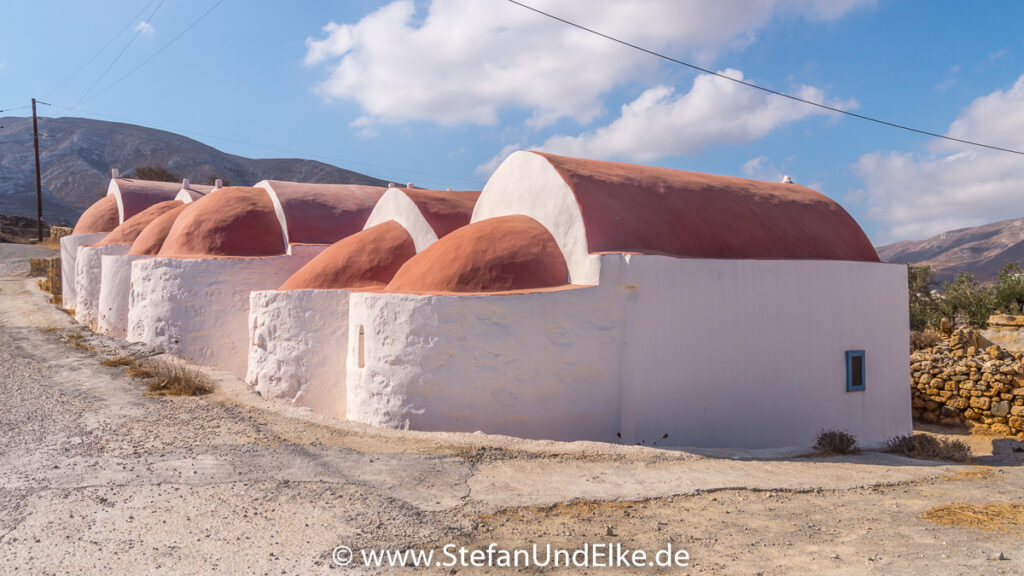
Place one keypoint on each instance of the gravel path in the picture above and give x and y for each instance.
(98, 478)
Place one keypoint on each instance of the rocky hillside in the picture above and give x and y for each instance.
(77, 155)
(981, 250)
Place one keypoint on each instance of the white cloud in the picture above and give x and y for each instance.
(660, 123)
(144, 28)
(465, 61)
(953, 185)
(951, 79)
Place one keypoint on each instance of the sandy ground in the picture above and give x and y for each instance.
(98, 478)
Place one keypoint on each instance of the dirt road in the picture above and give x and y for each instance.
(98, 478)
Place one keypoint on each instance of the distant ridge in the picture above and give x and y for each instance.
(78, 153)
(981, 251)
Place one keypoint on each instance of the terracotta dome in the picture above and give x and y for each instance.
(130, 229)
(445, 210)
(102, 216)
(323, 213)
(498, 254)
(152, 237)
(234, 221)
(367, 259)
(646, 209)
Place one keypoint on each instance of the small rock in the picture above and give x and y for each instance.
(998, 556)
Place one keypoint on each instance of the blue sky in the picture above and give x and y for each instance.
(434, 92)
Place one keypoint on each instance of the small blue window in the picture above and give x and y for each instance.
(855, 370)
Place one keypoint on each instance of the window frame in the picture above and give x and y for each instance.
(850, 355)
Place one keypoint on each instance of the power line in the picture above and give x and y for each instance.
(769, 90)
(157, 53)
(138, 32)
(100, 51)
(441, 178)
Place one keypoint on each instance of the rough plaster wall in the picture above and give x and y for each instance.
(88, 273)
(297, 347)
(199, 308)
(395, 205)
(69, 246)
(115, 290)
(752, 352)
(538, 365)
(736, 353)
(525, 183)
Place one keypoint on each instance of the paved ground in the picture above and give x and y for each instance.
(98, 478)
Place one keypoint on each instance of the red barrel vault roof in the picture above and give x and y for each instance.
(445, 210)
(324, 213)
(646, 209)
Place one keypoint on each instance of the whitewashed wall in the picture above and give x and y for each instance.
(297, 347)
(199, 308)
(88, 275)
(115, 291)
(712, 353)
(539, 365)
(752, 352)
(69, 246)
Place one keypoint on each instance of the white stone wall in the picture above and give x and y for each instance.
(539, 365)
(88, 274)
(297, 347)
(740, 353)
(69, 246)
(115, 291)
(199, 308)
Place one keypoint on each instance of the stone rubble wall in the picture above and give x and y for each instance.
(958, 382)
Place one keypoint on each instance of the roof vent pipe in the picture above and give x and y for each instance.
(115, 173)
(218, 184)
(185, 183)
(392, 185)
(410, 185)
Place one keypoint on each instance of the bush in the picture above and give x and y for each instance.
(965, 301)
(924, 311)
(831, 442)
(927, 447)
(920, 340)
(156, 174)
(1009, 290)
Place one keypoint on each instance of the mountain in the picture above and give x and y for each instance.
(77, 154)
(982, 250)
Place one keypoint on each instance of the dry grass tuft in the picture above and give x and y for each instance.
(76, 341)
(172, 378)
(50, 329)
(927, 447)
(140, 371)
(832, 442)
(1001, 517)
(125, 360)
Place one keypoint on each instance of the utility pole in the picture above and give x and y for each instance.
(39, 182)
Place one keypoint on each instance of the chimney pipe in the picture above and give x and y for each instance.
(115, 173)
(185, 183)
(218, 184)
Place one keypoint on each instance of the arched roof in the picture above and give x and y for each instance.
(498, 254)
(321, 213)
(366, 259)
(444, 210)
(134, 196)
(426, 214)
(192, 192)
(100, 217)
(233, 221)
(594, 206)
(151, 239)
(130, 229)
